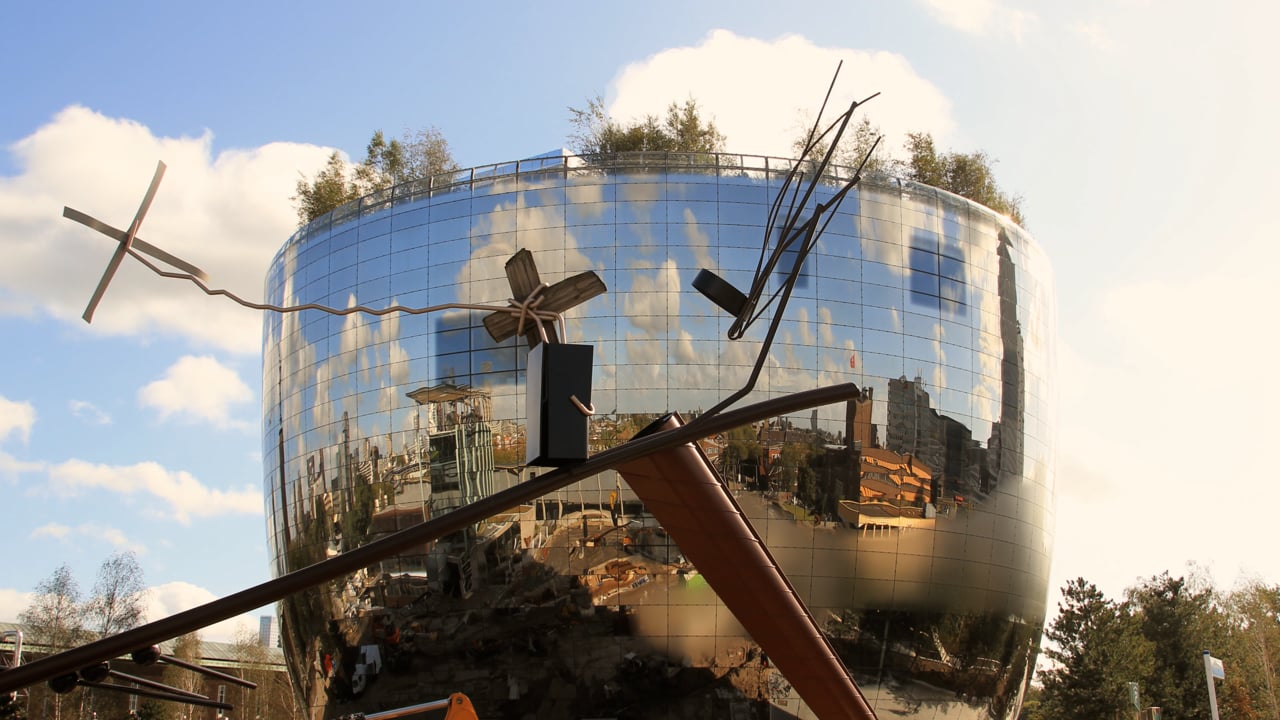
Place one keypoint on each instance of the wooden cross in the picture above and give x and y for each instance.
(527, 287)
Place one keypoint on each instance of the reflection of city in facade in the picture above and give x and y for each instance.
(916, 520)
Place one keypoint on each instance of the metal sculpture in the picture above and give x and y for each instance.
(664, 467)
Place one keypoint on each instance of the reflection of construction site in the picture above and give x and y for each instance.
(580, 604)
(557, 620)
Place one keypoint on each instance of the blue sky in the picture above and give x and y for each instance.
(1140, 134)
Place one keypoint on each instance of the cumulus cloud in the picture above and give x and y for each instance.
(982, 17)
(57, 531)
(112, 536)
(227, 214)
(11, 467)
(183, 495)
(172, 598)
(16, 418)
(759, 91)
(89, 412)
(13, 602)
(198, 389)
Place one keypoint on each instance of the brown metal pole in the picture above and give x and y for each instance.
(114, 646)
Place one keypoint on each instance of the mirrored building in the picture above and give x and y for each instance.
(916, 520)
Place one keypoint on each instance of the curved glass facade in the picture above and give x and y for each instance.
(916, 521)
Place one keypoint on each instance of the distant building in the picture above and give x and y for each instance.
(915, 521)
(268, 631)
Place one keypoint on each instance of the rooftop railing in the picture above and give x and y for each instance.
(719, 164)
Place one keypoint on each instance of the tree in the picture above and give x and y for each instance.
(1097, 647)
(274, 695)
(187, 648)
(969, 175)
(1178, 617)
(851, 150)
(1255, 648)
(329, 189)
(116, 602)
(682, 130)
(54, 620)
(420, 154)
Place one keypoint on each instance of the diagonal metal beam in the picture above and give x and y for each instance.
(158, 695)
(123, 248)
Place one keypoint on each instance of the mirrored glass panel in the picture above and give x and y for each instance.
(914, 520)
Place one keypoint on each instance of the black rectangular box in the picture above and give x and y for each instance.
(556, 433)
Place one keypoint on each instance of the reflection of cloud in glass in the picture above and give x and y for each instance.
(642, 231)
(698, 241)
(654, 299)
(682, 351)
(825, 335)
(514, 225)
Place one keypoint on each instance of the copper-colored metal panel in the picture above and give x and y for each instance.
(685, 493)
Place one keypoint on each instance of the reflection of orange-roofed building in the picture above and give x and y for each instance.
(893, 490)
(887, 475)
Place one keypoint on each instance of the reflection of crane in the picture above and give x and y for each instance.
(459, 708)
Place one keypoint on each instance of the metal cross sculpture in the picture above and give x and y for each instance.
(558, 375)
(529, 293)
(129, 240)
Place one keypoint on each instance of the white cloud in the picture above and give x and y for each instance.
(112, 536)
(171, 598)
(982, 17)
(1094, 34)
(89, 412)
(11, 467)
(12, 603)
(1162, 415)
(226, 214)
(758, 91)
(184, 495)
(198, 389)
(56, 531)
(16, 417)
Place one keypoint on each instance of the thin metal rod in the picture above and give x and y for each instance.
(416, 536)
(209, 672)
(539, 314)
(154, 685)
(410, 710)
(773, 325)
(157, 695)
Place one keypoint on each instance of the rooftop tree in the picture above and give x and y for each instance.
(414, 156)
(682, 129)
